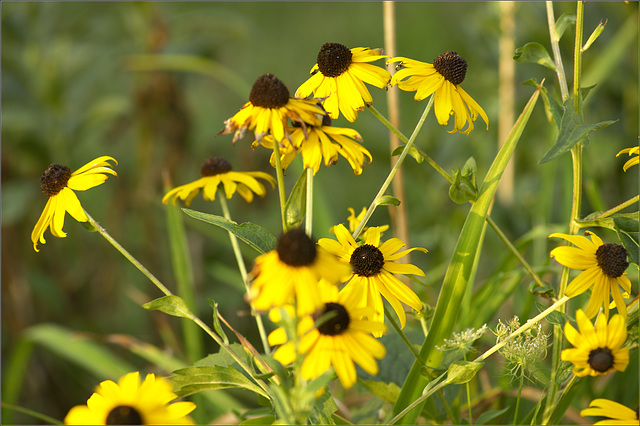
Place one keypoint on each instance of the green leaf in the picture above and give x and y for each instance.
(171, 305)
(296, 206)
(464, 189)
(594, 35)
(386, 200)
(462, 371)
(627, 221)
(564, 22)
(627, 230)
(263, 420)
(414, 151)
(571, 131)
(216, 322)
(490, 415)
(545, 100)
(254, 235)
(535, 53)
(190, 380)
(385, 391)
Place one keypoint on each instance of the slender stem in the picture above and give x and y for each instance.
(32, 413)
(280, 177)
(515, 415)
(577, 61)
(406, 341)
(555, 47)
(128, 255)
(468, 386)
(309, 204)
(243, 272)
(394, 170)
(616, 209)
(515, 252)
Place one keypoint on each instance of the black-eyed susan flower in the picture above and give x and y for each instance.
(597, 350)
(635, 150)
(217, 170)
(353, 222)
(617, 413)
(604, 267)
(269, 109)
(59, 184)
(340, 338)
(372, 271)
(442, 77)
(318, 142)
(339, 76)
(293, 269)
(130, 402)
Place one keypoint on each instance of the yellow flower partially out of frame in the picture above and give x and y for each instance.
(373, 268)
(597, 350)
(604, 267)
(216, 171)
(59, 184)
(618, 414)
(442, 77)
(131, 402)
(339, 76)
(634, 150)
(269, 109)
(341, 339)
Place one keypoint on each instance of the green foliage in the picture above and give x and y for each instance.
(190, 380)
(295, 208)
(535, 53)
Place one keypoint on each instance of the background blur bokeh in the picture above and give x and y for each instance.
(74, 87)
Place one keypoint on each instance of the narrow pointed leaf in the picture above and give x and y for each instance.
(254, 235)
(462, 371)
(386, 200)
(296, 206)
(594, 35)
(191, 380)
(216, 322)
(171, 305)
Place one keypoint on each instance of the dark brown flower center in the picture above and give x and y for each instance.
(54, 179)
(339, 321)
(367, 260)
(215, 166)
(612, 259)
(124, 415)
(601, 359)
(451, 66)
(295, 248)
(269, 92)
(334, 59)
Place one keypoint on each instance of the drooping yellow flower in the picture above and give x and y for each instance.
(318, 142)
(604, 267)
(269, 109)
(342, 338)
(618, 414)
(130, 402)
(442, 77)
(339, 76)
(217, 170)
(597, 350)
(634, 150)
(293, 269)
(373, 268)
(59, 184)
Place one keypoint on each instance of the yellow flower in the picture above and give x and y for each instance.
(597, 351)
(59, 183)
(216, 170)
(604, 267)
(268, 109)
(634, 150)
(293, 268)
(316, 142)
(373, 267)
(130, 403)
(342, 338)
(617, 413)
(339, 76)
(442, 77)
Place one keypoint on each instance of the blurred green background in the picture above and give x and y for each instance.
(74, 88)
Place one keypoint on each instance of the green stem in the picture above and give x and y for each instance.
(577, 54)
(404, 139)
(280, 177)
(515, 415)
(468, 386)
(555, 47)
(394, 170)
(34, 414)
(309, 203)
(243, 272)
(128, 255)
(617, 208)
(397, 328)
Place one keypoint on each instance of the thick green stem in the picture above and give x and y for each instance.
(128, 256)
(394, 170)
(243, 272)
